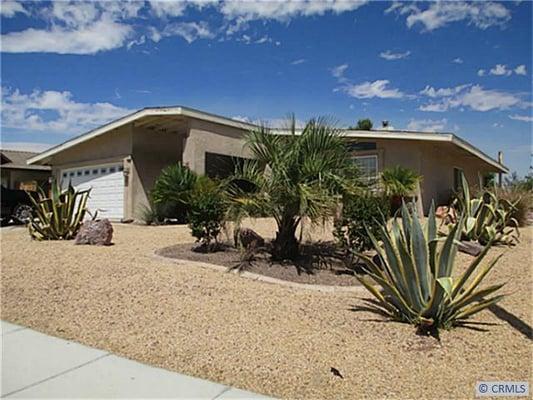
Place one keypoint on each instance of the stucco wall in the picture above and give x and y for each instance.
(213, 138)
(434, 161)
(151, 152)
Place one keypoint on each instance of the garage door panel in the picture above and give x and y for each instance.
(107, 188)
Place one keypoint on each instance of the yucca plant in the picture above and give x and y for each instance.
(60, 215)
(416, 274)
(486, 217)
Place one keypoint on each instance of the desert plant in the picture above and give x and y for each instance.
(486, 217)
(172, 191)
(399, 181)
(293, 176)
(416, 276)
(359, 214)
(206, 215)
(60, 215)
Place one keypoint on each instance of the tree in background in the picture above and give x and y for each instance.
(364, 124)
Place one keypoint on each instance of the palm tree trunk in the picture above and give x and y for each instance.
(285, 245)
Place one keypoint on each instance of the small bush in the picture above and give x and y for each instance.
(522, 201)
(360, 213)
(206, 215)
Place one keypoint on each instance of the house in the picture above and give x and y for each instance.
(122, 159)
(17, 174)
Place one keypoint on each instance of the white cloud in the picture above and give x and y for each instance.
(443, 92)
(390, 56)
(499, 70)
(53, 111)
(25, 146)
(190, 31)
(520, 70)
(299, 61)
(525, 118)
(367, 90)
(167, 8)
(100, 36)
(338, 71)
(504, 70)
(441, 13)
(427, 125)
(473, 97)
(457, 60)
(284, 10)
(8, 9)
(75, 28)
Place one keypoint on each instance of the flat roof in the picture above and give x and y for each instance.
(205, 116)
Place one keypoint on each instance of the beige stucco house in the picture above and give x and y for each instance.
(122, 159)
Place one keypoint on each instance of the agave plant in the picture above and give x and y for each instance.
(486, 217)
(416, 275)
(60, 215)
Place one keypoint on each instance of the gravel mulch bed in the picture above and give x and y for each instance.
(317, 270)
(266, 338)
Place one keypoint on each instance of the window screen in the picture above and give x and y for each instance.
(368, 165)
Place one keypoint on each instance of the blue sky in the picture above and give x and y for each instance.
(456, 66)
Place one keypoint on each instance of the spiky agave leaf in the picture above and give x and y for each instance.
(417, 280)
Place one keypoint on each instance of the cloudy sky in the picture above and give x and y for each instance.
(455, 66)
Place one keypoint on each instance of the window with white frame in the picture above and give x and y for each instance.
(368, 166)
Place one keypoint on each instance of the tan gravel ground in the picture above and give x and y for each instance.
(261, 337)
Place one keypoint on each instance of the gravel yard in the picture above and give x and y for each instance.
(261, 337)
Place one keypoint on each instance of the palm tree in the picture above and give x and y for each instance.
(293, 175)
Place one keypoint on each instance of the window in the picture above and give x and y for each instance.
(103, 170)
(64, 174)
(71, 174)
(121, 168)
(457, 179)
(368, 165)
(112, 169)
(95, 171)
(87, 172)
(78, 173)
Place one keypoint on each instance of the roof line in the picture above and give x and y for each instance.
(194, 113)
(144, 112)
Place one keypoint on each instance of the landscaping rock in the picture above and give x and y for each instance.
(249, 238)
(99, 232)
(472, 248)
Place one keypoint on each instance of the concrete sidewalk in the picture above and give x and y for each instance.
(35, 365)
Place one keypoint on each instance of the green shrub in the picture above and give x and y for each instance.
(399, 181)
(206, 215)
(172, 191)
(486, 217)
(60, 215)
(364, 124)
(359, 214)
(416, 276)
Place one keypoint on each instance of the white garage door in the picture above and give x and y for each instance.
(107, 187)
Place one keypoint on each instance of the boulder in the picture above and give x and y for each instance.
(249, 238)
(98, 232)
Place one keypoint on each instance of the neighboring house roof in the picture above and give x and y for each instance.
(14, 159)
(201, 115)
